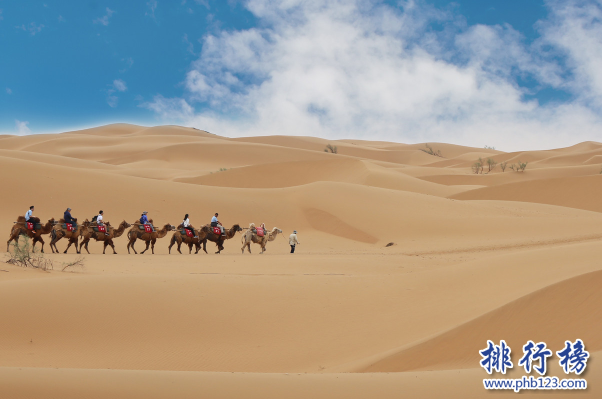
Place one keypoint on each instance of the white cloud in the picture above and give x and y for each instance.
(61, 19)
(9, 90)
(32, 28)
(22, 128)
(119, 85)
(1, 17)
(151, 6)
(361, 69)
(104, 20)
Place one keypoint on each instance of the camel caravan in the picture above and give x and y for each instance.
(79, 235)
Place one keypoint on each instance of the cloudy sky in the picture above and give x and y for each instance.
(514, 74)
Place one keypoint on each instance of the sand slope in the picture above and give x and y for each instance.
(503, 255)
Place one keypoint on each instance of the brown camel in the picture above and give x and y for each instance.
(136, 233)
(251, 236)
(20, 228)
(218, 239)
(60, 231)
(87, 232)
(179, 236)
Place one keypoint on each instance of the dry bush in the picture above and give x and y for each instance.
(503, 166)
(429, 150)
(477, 167)
(25, 255)
(330, 148)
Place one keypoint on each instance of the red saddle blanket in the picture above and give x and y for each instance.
(189, 233)
(102, 229)
(70, 227)
(148, 228)
(217, 231)
(30, 226)
(260, 232)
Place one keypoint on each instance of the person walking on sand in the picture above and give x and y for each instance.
(293, 241)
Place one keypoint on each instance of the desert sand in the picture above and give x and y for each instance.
(500, 255)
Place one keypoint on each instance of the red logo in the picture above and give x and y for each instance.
(189, 233)
(102, 229)
(70, 227)
(29, 226)
(148, 228)
(217, 231)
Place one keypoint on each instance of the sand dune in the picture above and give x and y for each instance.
(511, 256)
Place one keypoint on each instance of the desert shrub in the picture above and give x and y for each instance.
(330, 148)
(503, 166)
(477, 167)
(522, 166)
(429, 150)
(491, 164)
(25, 255)
(489, 148)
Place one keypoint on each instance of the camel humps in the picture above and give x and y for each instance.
(218, 239)
(251, 236)
(59, 231)
(179, 238)
(87, 232)
(136, 233)
(20, 228)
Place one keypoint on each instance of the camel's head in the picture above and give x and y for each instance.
(51, 221)
(277, 230)
(169, 227)
(125, 224)
(236, 228)
(252, 226)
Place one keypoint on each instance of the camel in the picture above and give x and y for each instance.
(180, 238)
(19, 228)
(251, 236)
(136, 233)
(87, 232)
(218, 239)
(58, 232)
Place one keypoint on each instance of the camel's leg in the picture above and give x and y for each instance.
(104, 246)
(146, 249)
(205, 245)
(110, 242)
(68, 246)
(131, 244)
(179, 247)
(35, 240)
(153, 246)
(84, 242)
(189, 248)
(13, 237)
(171, 244)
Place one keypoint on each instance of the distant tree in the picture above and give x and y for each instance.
(429, 150)
(489, 148)
(477, 167)
(491, 164)
(503, 166)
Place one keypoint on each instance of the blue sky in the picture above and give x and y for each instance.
(240, 67)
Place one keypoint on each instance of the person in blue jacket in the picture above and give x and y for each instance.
(68, 218)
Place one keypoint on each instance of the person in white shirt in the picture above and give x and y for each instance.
(216, 223)
(293, 241)
(187, 226)
(99, 221)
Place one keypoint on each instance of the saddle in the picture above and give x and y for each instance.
(260, 232)
(32, 226)
(217, 231)
(100, 229)
(148, 228)
(187, 232)
(69, 226)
